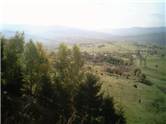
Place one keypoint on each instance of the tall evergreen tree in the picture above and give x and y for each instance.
(36, 91)
(11, 72)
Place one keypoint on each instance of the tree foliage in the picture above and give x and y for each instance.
(36, 90)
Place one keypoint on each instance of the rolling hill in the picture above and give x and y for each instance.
(51, 35)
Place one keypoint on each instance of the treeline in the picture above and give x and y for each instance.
(39, 88)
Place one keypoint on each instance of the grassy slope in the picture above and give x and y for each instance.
(128, 96)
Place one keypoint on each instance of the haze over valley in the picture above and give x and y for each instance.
(83, 61)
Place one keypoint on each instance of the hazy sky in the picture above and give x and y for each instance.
(87, 14)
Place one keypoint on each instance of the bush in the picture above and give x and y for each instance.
(143, 79)
(115, 61)
(109, 70)
(137, 72)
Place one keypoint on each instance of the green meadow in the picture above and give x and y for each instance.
(142, 103)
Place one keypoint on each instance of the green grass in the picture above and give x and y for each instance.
(138, 103)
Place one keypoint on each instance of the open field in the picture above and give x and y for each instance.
(61, 85)
(143, 104)
(83, 61)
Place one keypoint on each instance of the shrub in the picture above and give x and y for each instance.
(137, 71)
(143, 79)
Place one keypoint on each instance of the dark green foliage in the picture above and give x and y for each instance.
(87, 98)
(137, 72)
(143, 79)
(114, 60)
(11, 63)
(158, 105)
(36, 90)
(162, 89)
(111, 115)
(92, 108)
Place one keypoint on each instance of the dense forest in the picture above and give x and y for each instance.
(39, 87)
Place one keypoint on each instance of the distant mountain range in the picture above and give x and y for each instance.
(55, 34)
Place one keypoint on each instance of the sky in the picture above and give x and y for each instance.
(85, 14)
